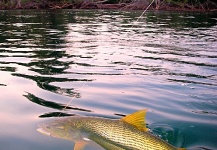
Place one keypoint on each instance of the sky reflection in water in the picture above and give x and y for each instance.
(166, 63)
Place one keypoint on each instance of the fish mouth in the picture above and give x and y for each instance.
(43, 131)
(42, 128)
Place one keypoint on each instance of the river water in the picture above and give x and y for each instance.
(107, 64)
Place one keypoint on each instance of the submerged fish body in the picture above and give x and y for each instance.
(128, 133)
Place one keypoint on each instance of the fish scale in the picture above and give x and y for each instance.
(127, 133)
(122, 133)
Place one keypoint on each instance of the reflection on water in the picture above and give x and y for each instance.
(51, 104)
(105, 64)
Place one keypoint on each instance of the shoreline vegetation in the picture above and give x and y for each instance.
(171, 5)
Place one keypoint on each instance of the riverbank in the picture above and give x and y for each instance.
(109, 4)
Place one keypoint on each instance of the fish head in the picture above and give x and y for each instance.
(62, 128)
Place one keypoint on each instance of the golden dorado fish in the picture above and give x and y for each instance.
(127, 133)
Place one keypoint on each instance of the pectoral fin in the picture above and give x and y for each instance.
(80, 145)
(85, 144)
(137, 119)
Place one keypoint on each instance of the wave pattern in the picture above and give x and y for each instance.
(108, 64)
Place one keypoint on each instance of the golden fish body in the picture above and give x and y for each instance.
(128, 133)
(120, 133)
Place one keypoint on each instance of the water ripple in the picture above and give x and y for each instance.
(106, 64)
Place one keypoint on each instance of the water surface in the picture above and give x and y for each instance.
(108, 65)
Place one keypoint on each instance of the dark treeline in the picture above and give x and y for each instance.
(184, 5)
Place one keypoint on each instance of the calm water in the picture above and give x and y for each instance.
(107, 65)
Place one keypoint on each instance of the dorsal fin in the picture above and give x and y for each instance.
(137, 119)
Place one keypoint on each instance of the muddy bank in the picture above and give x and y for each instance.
(207, 6)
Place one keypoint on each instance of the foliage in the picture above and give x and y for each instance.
(132, 4)
(202, 4)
